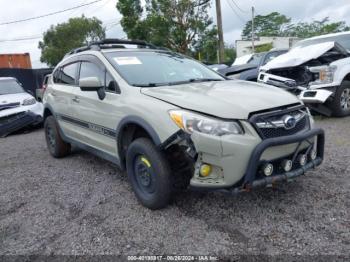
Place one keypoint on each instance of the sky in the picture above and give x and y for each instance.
(105, 10)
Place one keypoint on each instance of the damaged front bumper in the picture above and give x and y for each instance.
(268, 150)
(315, 96)
(309, 95)
(13, 122)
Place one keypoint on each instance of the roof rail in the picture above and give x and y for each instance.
(112, 43)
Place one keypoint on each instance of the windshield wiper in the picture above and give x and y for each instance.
(204, 79)
(192, 80)
(149, 85)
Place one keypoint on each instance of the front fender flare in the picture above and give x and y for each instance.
(138, 121)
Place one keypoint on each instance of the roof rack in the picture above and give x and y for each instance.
(112, 43)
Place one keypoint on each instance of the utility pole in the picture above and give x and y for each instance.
(220, 32)
(253, 34)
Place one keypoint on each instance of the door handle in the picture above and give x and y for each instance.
(53, 93)
(76, 99)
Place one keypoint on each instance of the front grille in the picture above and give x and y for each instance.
(8, 119)
(273, 124)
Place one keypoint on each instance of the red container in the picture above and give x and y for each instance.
(15, 61)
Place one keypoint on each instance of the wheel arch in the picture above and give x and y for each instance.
(346, 78)
(48, 111)
(129, 129)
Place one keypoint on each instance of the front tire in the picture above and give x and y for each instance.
(340, 105)
(149, 174)
(57, 147)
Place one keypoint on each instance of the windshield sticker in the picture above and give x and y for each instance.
(127, 60)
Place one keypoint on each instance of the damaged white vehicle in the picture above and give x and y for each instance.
(18, 109)
(317, 70)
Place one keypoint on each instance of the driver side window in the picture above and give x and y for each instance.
(89, 69)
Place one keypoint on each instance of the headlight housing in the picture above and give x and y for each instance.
(29, 101)
(192, 122)
(323, 74)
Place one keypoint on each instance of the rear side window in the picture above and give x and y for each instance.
(68, 74)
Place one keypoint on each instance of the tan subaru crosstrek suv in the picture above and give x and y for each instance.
(172, 123)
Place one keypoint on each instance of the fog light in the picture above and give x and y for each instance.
(302, 160)
(267, 169)
(287, 165)
(313, 154)
(205, 170)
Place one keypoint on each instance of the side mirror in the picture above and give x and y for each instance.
(92, 84)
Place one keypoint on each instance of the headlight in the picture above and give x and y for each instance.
(190, 122)
(29, 101)
(323, 74)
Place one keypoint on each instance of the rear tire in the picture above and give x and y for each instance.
(340, 105)
(149, 174)
(57, 147)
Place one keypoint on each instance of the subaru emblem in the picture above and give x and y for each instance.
(289, 122)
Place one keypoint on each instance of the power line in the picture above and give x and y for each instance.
(98, 8)
(234, 10)
(244, 11)
(49, 14)
(21, 39)
(109, 25)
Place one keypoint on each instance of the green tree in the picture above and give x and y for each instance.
(206, 48)
(273, 24)
(207, 45)
(263, 48)
(230, 54)
(276, 24)
(173, 24)
(62, 38)
(317, 27)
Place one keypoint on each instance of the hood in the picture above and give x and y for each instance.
(237, 69)
(299, 55)
(14, 98)
(225, 99)
(242, 60)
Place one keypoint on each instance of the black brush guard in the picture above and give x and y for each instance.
(249, 180)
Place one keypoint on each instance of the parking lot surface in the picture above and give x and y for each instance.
(83, 205)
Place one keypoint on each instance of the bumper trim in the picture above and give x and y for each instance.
(254, 161)
(274, 179)
(26, 119)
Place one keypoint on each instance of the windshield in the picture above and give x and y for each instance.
(343, 40)
(10, 86)
(255, 59)
(147, 69)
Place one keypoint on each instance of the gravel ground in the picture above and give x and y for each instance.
(84, 205)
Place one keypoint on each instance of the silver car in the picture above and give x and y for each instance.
(173, 123)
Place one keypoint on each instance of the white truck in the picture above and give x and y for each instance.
(317, 70)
